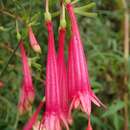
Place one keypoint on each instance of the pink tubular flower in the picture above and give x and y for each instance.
(62, 72)
(33, 42)
(53, 117)
(27, 90)
(89, 124)
(81, 89)
(33, 119)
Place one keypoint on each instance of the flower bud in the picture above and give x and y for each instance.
(33, 42)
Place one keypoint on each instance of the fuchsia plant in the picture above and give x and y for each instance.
(56, 112)
(27, 90)
(66, 88)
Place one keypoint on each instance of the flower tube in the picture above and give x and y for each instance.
(27, 92)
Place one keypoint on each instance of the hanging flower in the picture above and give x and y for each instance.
(81, 92)
(33, 41)
(27, 90)
(53, 117)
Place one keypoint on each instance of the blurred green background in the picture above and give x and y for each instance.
(105, 38)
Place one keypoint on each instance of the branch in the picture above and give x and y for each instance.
(9, 60)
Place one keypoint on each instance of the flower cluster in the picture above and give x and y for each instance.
(67, 81)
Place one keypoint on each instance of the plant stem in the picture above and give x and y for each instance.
(62, 15)
(9, 60)
(122, 4)
(47, 6)
(86, 7)
(7, 48)
(74, 2)
(126, 31)
(62, 11)
(13, 16)
(126, 55)
(47, 13)
(17, 119)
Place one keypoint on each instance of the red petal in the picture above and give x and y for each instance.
(89, 124)
(33, 119)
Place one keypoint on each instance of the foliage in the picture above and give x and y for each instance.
(103, 42)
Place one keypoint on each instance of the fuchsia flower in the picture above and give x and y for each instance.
(53, 117)
(78, 72)
(33, 119)
(61, 65)
(33, 41)
(89, 124)
(27, 90)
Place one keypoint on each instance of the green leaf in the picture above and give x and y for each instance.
(114, 108)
